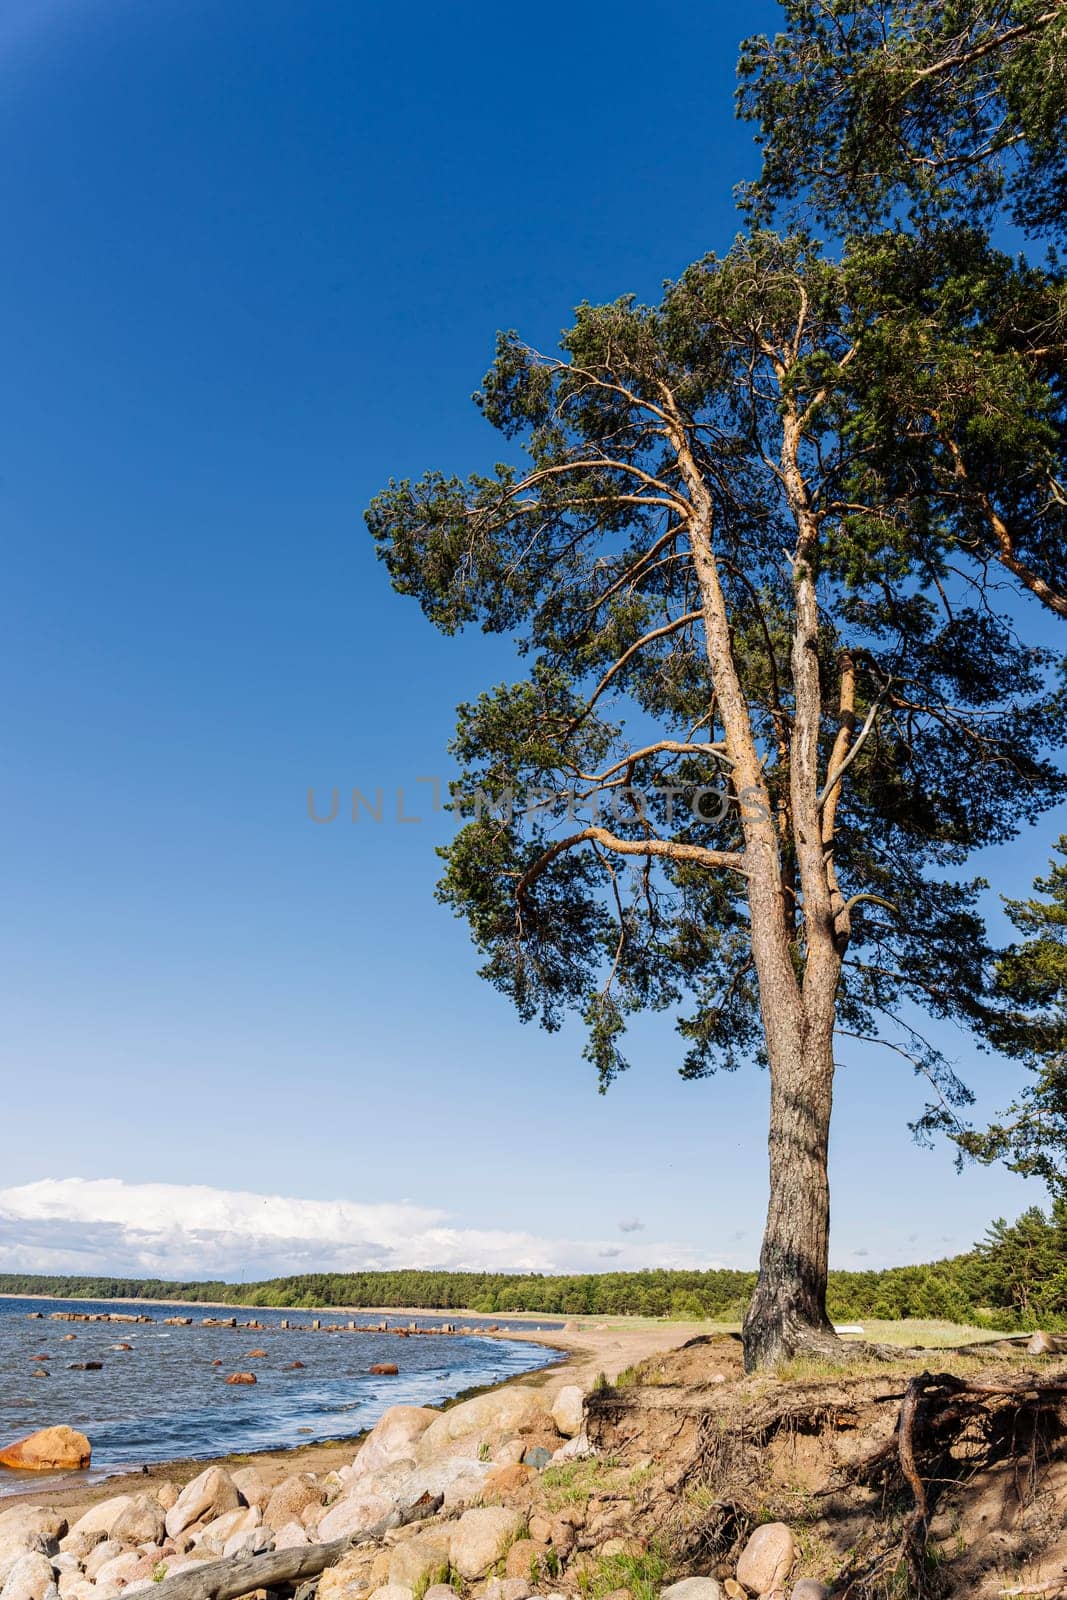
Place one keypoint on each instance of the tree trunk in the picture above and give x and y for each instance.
(787, 1316)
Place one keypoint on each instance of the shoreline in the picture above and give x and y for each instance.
(581, 1356)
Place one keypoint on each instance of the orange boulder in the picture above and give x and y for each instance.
(241, 1377)
(51, 1450)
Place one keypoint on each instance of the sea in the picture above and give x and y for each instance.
(167, 1399)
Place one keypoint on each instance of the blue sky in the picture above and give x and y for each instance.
(256, 253)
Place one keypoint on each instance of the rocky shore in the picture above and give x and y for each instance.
(471, 1500)
(647, 1468)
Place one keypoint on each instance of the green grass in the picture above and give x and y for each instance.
(642, 1574)
(570, 1482)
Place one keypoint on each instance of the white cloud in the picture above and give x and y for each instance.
(105, 1225)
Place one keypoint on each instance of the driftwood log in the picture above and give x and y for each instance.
(277, 1569)
(281, 1569)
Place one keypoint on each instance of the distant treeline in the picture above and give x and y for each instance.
(1016, 1278)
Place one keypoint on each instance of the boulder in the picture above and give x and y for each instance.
(206, 1498)
(385, 1369)
(241, 1377)
(393, 1438)
(508, 1589)
(524, 1559)
(141, 1522)
(22, 1521)
(537, 1457)
(440, 1591)
(568, 1410)
(215, 1534)
(291, 1537)
(511, 1450)
(481, 1536)
(809, 1589)
(417, 1559)
(252, 1485)
(60, 1449)
(505, 1480)
(766, 1558)
(350, 1577)
(13, 1550)
(30, 1578)
(253, 1542)
(98, 1520)
(124, 1568)
(692, 1589)
(459, 1479)
(103, 1553)
(288, 1500)
(392, 1591)
(501, 1413)
(356, 1515)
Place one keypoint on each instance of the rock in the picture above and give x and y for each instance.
(351, 1577)
(508, 1589)
(141, 1522)
(392, 1591)
(385, 1369)
(12, 1551)
(30, 1578)
(103, 1553)
(524, 1559)
(23, 1521)
(207, 1497)
(59, 1449)
(241, 1377)
(252, 1486)
(355, 1515)
(167, 1493)
(289, 1499)
(215, 1534)
(393, 1438)
(122, 1569)
(766, 1558)
(426, 1555)
(1042, 1344)
(440, 1591)
(459, 1479)
(505, 1480)
(291, 1537)
(98, 1520)
(692, 1589)
(809, 1589)
(255, 1355)
(568, 1410)
(253, 1542)
(540, 1529)
(481, 1537)
(575, 1449)
(537, 1457)
(572, 1327)
(502, 1412)
(510, 1451)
